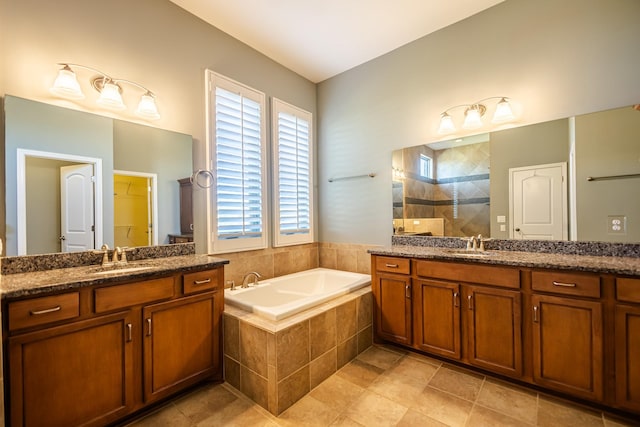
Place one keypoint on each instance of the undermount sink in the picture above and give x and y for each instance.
(470, 254)
(121, 270)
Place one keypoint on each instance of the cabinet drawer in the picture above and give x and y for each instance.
(628, 289)
(505, 277)
(39, 311)
(585, 285)
(130, 294)
(393, 265)
(202, 281)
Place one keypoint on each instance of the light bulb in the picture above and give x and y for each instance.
(446, 124)
(147, 107)
(503, 112)
(110, 96)
(472, 118)
(66, 85)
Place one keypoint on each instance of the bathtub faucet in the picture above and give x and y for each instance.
(256, 277)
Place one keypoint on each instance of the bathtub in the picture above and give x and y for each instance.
(284, 296)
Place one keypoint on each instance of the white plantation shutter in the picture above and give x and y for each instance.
(238, 148)
(293, 174)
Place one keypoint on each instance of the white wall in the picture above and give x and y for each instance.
(554, 58)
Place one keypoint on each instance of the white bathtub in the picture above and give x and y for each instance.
(283, 296)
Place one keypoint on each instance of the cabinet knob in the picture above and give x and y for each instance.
(407, 291)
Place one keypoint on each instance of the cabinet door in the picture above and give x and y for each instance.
(567, 345)
(72, 375)
(181, 343)
(437, 317)
(392, 295)
(495, 329)
(627, 350)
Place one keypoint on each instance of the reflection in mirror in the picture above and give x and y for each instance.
(158, 157)
(443, 188)
(557, 156)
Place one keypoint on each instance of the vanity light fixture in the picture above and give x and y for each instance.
(473, 115)
(66, 85)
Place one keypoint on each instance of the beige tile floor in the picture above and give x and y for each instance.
(385, 386)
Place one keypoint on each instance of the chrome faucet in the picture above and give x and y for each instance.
(256, 277)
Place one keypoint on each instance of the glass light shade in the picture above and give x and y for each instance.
(110, 97)
(66, 85)
(503, 112)
(472, 119)
(446, 124)
(147, 107)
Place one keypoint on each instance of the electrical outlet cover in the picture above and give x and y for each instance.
(617, 224)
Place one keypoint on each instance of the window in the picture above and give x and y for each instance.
(293, 182)
(425, 166)
(237, 151)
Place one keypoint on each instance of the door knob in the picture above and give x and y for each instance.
(517, 229)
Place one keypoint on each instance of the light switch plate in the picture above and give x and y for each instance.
(501, 219)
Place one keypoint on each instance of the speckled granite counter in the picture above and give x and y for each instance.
(597, 264)
(40, 282)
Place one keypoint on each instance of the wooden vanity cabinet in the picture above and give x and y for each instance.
(434, 307)
(568, 333)
(77, 374)
(392, 295)
(109, 351)
(627, 343)
(181, 343)
(457, 316)
(436, 318)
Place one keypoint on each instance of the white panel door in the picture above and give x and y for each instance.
(77, 206)
(538, 202)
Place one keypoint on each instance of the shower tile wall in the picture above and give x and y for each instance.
(459, 193)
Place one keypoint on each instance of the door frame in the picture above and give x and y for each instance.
(154, 198)
(565, 201)
(21, 169)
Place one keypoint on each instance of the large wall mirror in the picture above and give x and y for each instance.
(76, 180)
(571, 179)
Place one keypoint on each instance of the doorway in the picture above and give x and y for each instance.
(538, 202)
(39, 200)
(135, 208)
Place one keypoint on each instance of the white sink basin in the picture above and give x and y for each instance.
(121, 270)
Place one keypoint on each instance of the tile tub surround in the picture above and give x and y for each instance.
(277, 363)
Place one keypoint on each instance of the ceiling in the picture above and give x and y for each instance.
(319, 39)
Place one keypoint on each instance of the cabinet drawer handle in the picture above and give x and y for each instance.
(45, 311)
(129, 332)
(469, 298)
(456, 302)
(149, 327)
(202, 282)
(565, 285)
(407, 291)
(535, 313)
(391, 265)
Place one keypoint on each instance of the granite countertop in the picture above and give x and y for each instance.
(41, 282)
(588, 263)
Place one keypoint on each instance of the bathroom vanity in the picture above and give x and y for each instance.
(91, 345)
(566, 323)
